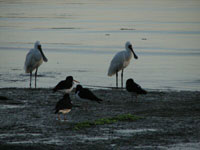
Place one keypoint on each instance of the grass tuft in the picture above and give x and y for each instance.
(103, 121)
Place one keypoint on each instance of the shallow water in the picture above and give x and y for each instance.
(129, 132)
(2, 106)
(80, 38)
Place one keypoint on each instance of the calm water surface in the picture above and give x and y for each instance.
(81, 37)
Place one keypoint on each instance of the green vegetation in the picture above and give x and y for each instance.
(102, 121)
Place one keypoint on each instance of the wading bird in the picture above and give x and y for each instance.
(34, 59)
(134, 88)
(66, 85)
(85, 94)
(120, 61)
(63, 106)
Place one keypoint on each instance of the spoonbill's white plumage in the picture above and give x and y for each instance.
(34, 59)
(120, 61)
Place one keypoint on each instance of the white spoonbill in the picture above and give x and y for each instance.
(120, 61)
(34, 59)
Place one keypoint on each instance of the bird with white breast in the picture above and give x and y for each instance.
(34, 59)
(65, 85)
(120, 61)
(63, 106)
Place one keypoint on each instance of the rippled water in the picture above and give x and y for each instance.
(80, 38)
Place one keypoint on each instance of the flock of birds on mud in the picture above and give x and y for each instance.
(120, 61)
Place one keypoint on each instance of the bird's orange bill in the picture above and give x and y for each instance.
(76, 81)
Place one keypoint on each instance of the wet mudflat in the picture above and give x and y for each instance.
(169, 120)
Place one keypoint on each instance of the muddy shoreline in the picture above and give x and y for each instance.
(170, 120)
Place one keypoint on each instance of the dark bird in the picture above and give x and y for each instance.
(66, 85)
(4, 98)
(63, 106)
(85, 94)
(134, 88)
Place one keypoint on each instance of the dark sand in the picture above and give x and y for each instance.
(171, 120)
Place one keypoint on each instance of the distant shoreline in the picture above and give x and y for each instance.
(94, 87)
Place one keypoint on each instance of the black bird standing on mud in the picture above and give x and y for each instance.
(134, 88)
(85, 94)
(63, 106)
(66, 85)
